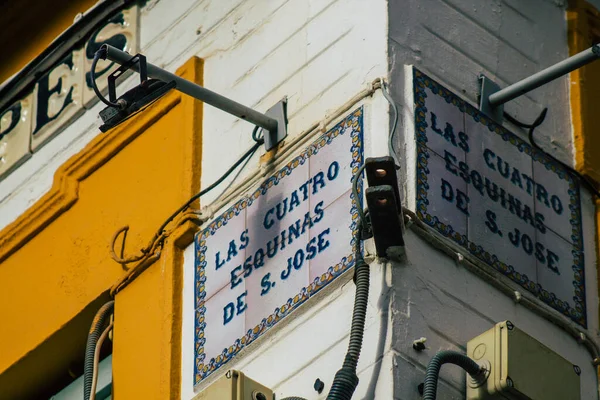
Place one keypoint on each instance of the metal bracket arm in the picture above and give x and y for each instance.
(492, 97)
(275, 123)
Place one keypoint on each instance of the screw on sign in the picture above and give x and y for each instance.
(319, 386)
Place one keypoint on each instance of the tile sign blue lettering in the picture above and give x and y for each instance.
(503, 200)
(276, 247)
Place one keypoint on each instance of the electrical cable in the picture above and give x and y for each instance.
(101, 54)
(97, 360)
(538, 121)
(146, 250)
(345, 380)
(90, 347)
(255, 135)
(294, 143)
(360, 234)
(432, 372)
(531, 128)
(388, 97)
(357, 198)
(249, 153)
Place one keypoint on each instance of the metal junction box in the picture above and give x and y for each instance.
(234, 385)
(521, 368)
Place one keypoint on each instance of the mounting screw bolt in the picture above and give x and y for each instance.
(259, 396)
(122, 104)
(419, 344)
(421, 388)
(510, 325)
(380, 173)
(577, 369)
(382, 202)
(319, 386)
(509, 382)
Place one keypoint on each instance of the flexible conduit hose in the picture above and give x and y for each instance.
(345, 380)
(432, 373)
(293, 398)
(96, 329)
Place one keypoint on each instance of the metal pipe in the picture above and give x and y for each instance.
(197, 91)
(544, 76)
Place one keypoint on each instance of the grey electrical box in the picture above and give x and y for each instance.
(234, 385)
(521, 368)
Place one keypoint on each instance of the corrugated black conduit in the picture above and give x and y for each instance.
(98, 325)
(432, 373)
(346, 380)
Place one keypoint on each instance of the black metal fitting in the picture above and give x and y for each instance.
(319, 386)
(419, 346)
(134, 100)
(385, 207)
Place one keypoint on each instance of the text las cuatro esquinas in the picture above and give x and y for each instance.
(280, 240)
(485, 187)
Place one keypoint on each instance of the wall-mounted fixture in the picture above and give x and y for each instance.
(234, 385)
(505, 363)
(492, 98)
(520, 368)
(155, 82)
(385, 207)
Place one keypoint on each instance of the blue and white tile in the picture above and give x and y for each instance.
(333, 163)
(223, 253)
(335, 233)
(555, 266)
(223, 323)
(442, 195)
(500, 233)
(498, 157)
(444, 123)
(274, 211)
(553, 200)
(273, 284)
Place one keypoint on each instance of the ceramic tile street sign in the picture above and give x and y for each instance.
(277, 246)
(501, 199)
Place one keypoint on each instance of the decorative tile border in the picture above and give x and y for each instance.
(352, 125)
(577, 312)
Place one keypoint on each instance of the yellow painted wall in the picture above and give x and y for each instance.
(147, 333)
(54, 259)
(148, 311)
(583, 32)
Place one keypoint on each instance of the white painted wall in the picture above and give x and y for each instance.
(506, 40)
